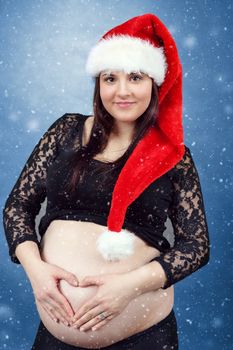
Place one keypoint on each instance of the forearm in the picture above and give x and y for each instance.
(147, 278)
(28, 255)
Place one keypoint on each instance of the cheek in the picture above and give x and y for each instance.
(145, 94)
(106, 94)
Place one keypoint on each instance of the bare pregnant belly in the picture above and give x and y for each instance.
(71, 245)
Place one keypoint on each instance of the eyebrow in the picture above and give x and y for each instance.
(107, 74)
(140, 73)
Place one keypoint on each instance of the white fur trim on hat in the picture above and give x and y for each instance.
(115, 246)
(131, 54)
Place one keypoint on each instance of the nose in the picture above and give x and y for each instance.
(123, 88)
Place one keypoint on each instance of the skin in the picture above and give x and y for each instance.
(115, 86)
(103, 283)
(118, 86)
(110, 297)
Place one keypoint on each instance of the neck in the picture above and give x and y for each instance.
(123, 131)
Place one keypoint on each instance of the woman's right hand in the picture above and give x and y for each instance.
(45, 280)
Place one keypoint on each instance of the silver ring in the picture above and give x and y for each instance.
(102, 316)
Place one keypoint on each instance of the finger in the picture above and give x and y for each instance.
(90, 280)
(85, 309)
(90, 315)
(54, 313)
(51, 315)
(58, 311)
(68, 277)
(95, 323)
(101, 323)
(63, 302)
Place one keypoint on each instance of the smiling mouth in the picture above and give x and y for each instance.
(124, 104)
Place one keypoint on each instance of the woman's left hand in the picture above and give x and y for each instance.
(113, 295)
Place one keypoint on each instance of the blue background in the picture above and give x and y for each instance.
(43, 48)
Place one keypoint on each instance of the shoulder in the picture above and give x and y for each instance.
(183, 165)
(65, 122)
(186, 159)
(69, 118)
(63, 127)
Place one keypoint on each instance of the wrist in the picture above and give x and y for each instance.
(147, 278)
(33, 268)
(29, 255)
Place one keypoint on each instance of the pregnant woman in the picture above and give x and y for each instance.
(102, 270)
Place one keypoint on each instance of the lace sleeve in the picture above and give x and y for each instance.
(191, 247)
(24, 201)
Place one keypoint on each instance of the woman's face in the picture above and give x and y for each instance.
(118, 86)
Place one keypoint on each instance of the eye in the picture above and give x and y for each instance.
(107, 79)
(136, 77)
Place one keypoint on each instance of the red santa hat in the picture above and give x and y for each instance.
(144, 44)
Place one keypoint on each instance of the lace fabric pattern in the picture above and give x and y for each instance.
(187, 213)
(24, 201)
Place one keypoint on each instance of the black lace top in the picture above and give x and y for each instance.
(177, 195)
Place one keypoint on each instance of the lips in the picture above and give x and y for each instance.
(124, 104)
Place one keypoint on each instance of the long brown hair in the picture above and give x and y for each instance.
(101, 129)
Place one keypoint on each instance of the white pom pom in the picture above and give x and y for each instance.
(115, 246)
